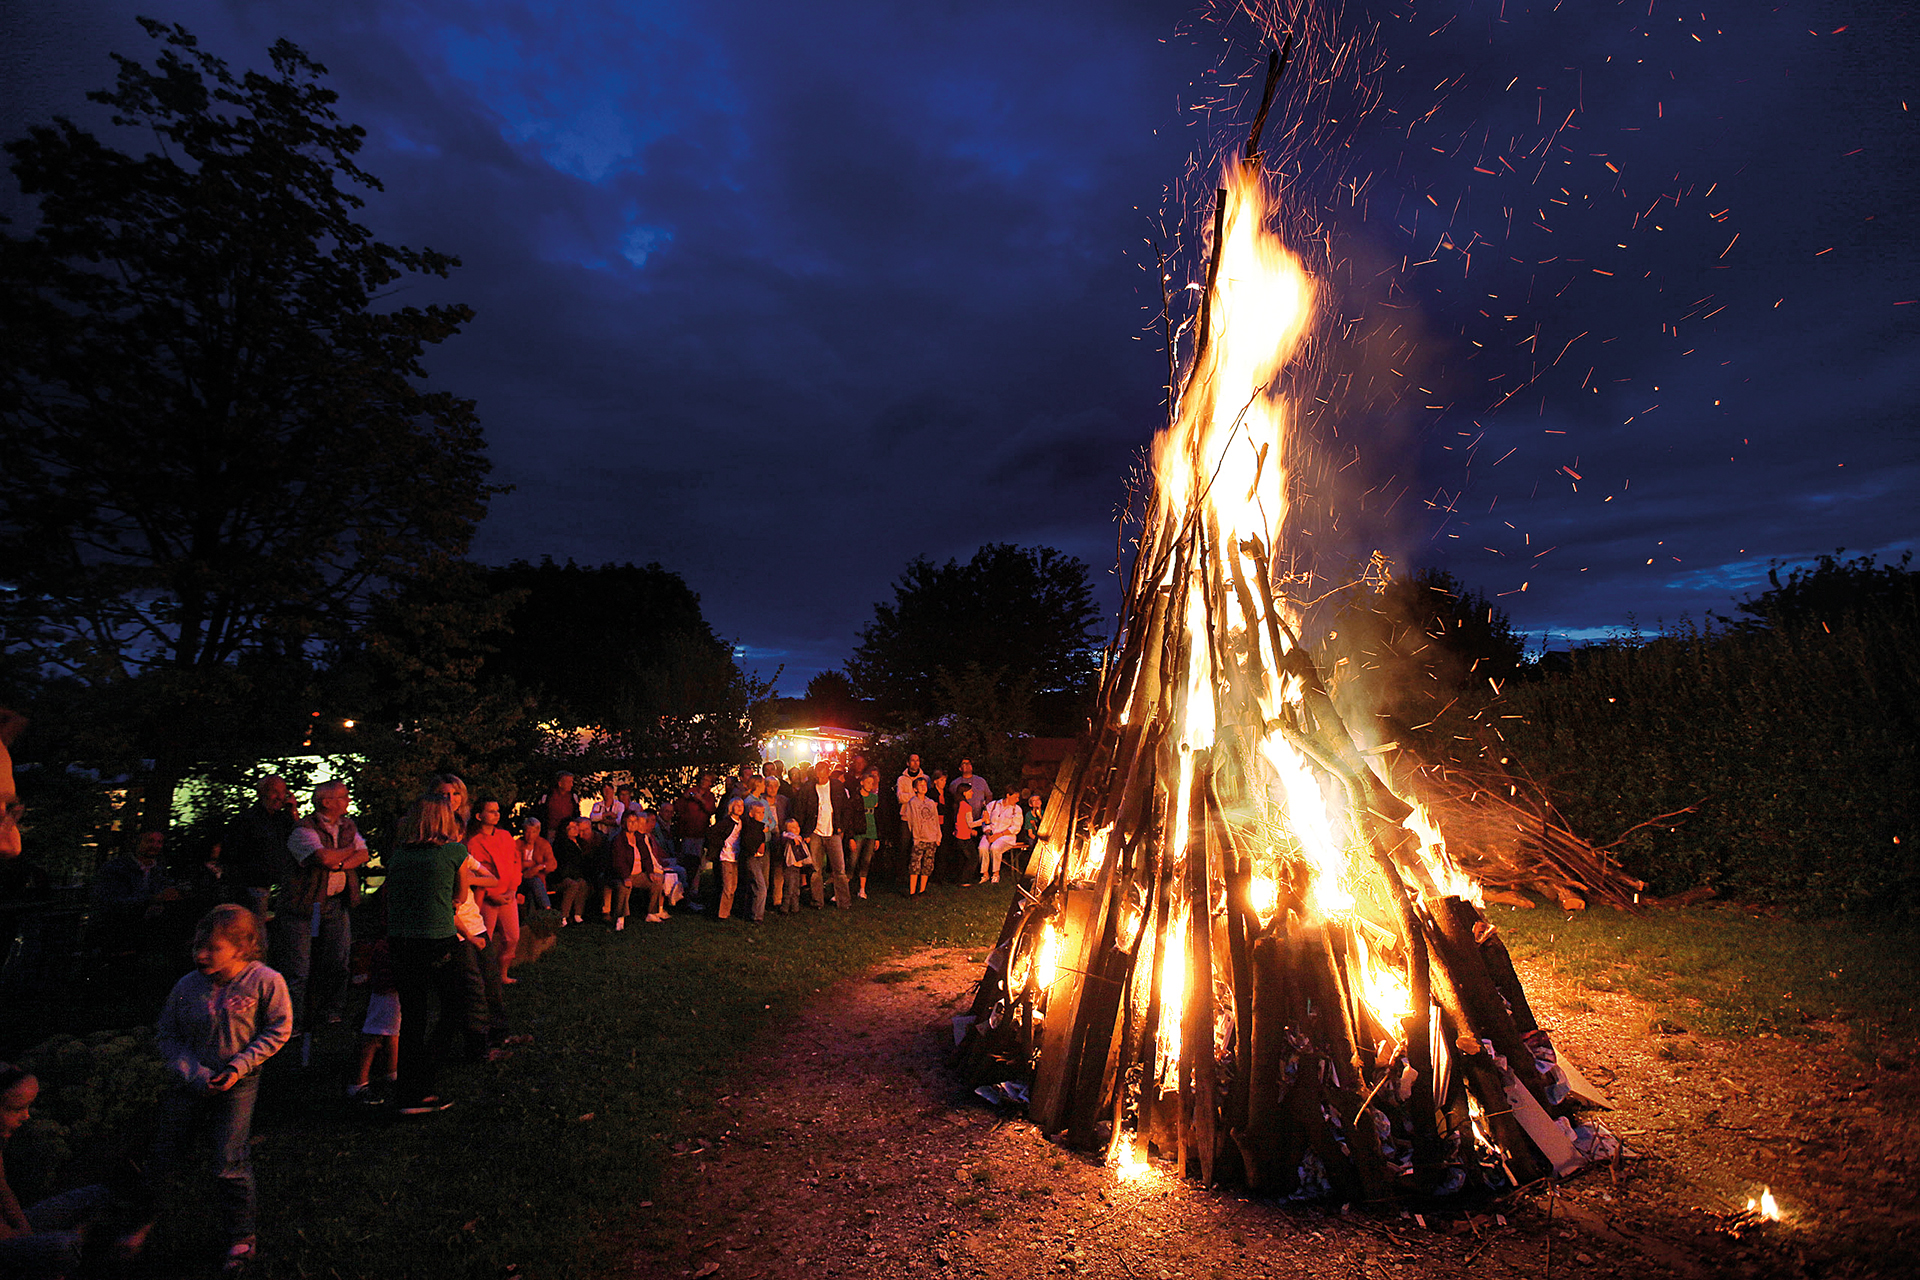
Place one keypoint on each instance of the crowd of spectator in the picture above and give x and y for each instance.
(432, 928)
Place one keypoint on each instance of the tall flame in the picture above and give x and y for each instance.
(1233, 420)
(1223, 463)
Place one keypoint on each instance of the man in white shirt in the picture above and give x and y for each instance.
(825, 812)
(312, 935)
(903, 792)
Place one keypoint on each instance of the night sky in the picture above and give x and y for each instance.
(1622, 301)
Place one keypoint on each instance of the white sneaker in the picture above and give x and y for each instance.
(620, 924)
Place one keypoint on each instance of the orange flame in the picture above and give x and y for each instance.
(1044, 962)
(1173, 992)
(1384, 989)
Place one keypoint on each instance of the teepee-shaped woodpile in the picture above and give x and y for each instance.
(1237, 947)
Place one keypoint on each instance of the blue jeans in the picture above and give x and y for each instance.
(829, 858)
(307, 956)
(227, 1119)
(52, 1247)
(756, 869)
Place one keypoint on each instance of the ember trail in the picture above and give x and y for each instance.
(1243, 951)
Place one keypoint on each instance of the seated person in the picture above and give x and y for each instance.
(132, 895)
(46, 1240)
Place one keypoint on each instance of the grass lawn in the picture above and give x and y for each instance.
(1724, 971)
(633, 1030)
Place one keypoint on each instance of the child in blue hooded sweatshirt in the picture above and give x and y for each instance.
(220, 1025)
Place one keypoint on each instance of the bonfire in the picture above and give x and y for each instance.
(1238, 949)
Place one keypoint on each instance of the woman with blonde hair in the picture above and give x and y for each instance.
(426, 876)
(450, 788)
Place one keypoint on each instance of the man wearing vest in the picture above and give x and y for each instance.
(316, 888)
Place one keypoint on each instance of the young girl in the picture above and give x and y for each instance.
(965, 829)
(220, 1024)
(793, 847)
(47, 1239)
(864, 839)
(372, 965)
(1030, 826)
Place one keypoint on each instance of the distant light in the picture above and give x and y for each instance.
(348, 724)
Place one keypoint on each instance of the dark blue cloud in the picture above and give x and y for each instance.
(781, 296)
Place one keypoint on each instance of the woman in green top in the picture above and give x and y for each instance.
(864, 839)
(426, 876)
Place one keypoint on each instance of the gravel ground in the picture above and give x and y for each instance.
(849, 1149)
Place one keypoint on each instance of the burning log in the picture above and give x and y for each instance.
(1509, 836)
(1238, 945)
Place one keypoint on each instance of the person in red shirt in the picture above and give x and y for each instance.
(499, 853)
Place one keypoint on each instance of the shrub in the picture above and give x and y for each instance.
(98, 1097)
(1797, 743)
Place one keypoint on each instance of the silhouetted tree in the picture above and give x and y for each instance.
(1832, 590)
(1404, 653)
(831, 700)
(217, 452)
(625, 650)
(1023, 615)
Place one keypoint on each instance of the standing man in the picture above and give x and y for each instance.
(559, 806)
(256, 843)
(972, 788)
(311, 931)
(692, 814)
(826, 812)
(133, 896)
(903, 792)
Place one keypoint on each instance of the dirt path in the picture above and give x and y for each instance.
(850, 1150)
